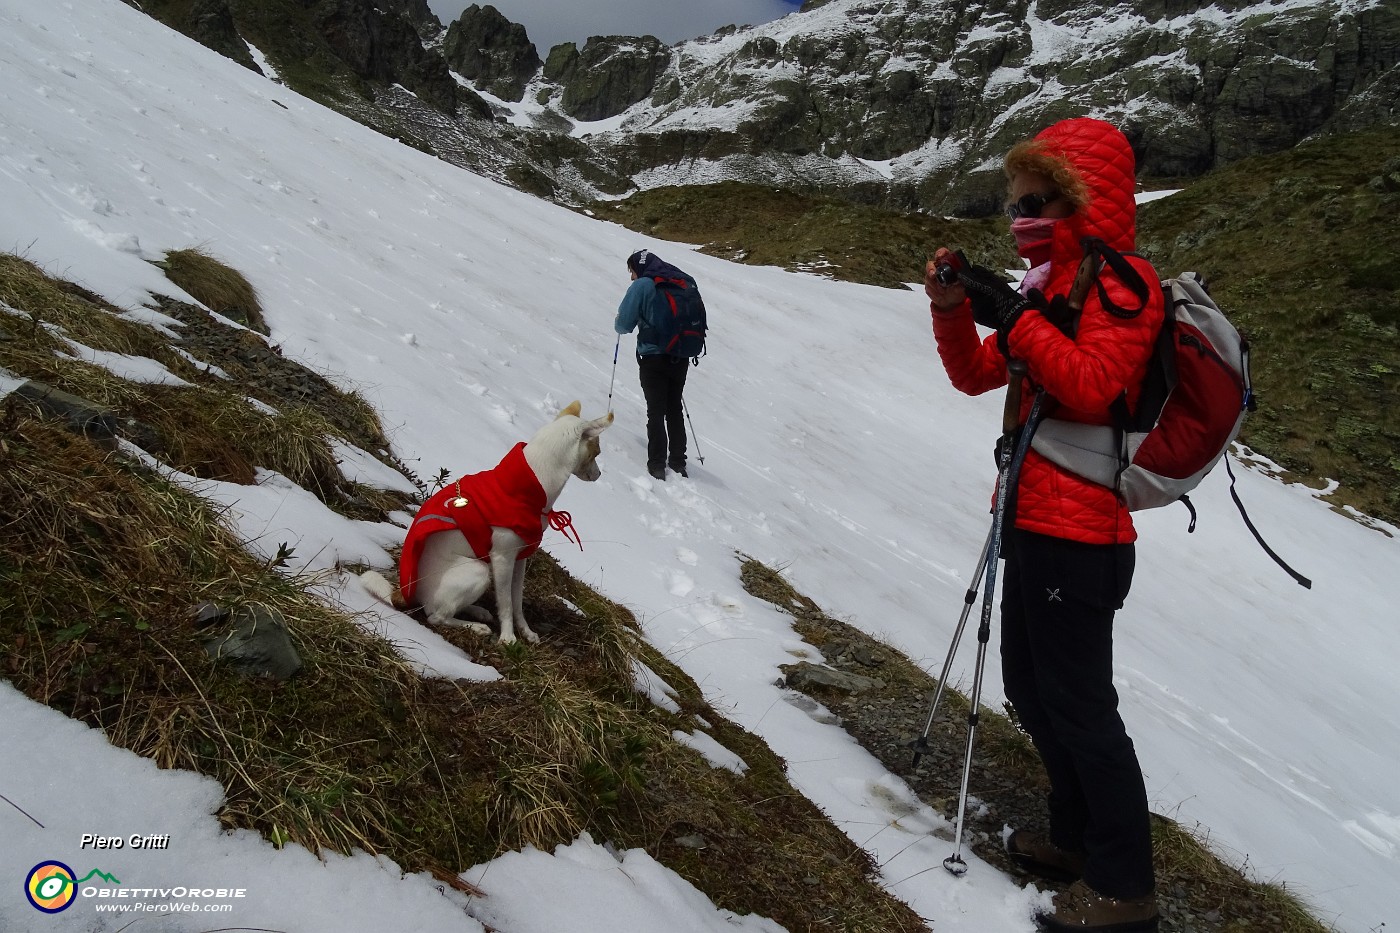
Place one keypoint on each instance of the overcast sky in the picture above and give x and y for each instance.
(550, 22)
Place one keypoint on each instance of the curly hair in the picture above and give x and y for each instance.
(1032, 155)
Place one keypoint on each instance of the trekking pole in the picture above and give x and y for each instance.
(695, 440)
(1008, 474)
(920, 745)
(611, 381)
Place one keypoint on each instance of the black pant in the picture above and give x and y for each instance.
(1057, 665)
(663, 381)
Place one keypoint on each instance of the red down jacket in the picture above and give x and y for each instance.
(1107, 356)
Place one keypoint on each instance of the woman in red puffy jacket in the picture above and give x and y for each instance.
(1069, 545)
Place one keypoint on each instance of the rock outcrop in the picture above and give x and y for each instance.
(492, 52)
(904, 103)
(610, 75)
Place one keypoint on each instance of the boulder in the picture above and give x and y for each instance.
(805, 674)
(258, 646)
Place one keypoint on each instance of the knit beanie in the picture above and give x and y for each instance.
(638, 260)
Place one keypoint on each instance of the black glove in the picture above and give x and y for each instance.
(995, 303)
(1057, 311)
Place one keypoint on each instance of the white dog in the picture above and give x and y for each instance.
(496, 520)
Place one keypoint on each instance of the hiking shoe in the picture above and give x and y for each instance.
(1080, 907)
(679, 470)
(657, 473)
(1036, 854)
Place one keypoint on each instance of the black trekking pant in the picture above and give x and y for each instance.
(1057, 665)
(663, 382)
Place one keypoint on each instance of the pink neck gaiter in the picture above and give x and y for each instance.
(1033, 237)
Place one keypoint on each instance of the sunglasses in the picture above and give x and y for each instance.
(1030, 205)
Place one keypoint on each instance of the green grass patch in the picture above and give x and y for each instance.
(766, 226)
(1299, 249)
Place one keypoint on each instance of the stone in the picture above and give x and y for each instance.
(83, 417)
(207, 614)
(258, 646)
(805, 674)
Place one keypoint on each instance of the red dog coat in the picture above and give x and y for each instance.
(508, 496)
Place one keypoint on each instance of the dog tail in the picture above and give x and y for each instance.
(381, 589)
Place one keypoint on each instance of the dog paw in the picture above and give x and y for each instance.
(529, 635)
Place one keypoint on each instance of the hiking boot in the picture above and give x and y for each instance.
(679, 469)
(1036, 854)
(657, 472)
(1080, 907)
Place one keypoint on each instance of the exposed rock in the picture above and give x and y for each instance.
(805, 675)
(206, 614)
(946, 92)
(492, 52)
(374, 40)
(382, 45)
(935, 93)
(209, 22)
(424, 20)
(611, 74)
(89, 419)
(258, 646)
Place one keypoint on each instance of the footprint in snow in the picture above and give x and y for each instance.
(680, 584)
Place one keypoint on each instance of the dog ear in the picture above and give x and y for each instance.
(573, 408)
(597, 425)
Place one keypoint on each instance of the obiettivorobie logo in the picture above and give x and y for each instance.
(53, 886)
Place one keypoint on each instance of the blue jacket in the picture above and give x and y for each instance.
(636, 309)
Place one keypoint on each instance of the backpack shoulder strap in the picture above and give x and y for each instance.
(1103, 254)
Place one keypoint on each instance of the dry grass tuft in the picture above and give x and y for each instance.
(207, 428)
(217, 286)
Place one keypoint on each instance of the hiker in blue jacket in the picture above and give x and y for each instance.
(662, 374)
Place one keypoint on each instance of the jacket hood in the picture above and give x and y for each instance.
(1099, 154)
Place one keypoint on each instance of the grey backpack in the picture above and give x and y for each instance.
(1191, 407)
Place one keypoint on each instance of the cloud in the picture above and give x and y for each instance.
(550, 22)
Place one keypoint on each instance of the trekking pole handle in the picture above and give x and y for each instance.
(1016, 371)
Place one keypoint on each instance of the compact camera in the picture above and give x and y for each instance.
(946, 272)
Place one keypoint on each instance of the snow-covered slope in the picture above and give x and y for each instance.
(833, 446)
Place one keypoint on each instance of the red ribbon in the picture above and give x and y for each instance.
(563, 521)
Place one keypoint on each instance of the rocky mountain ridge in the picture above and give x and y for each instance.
(882, 101)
